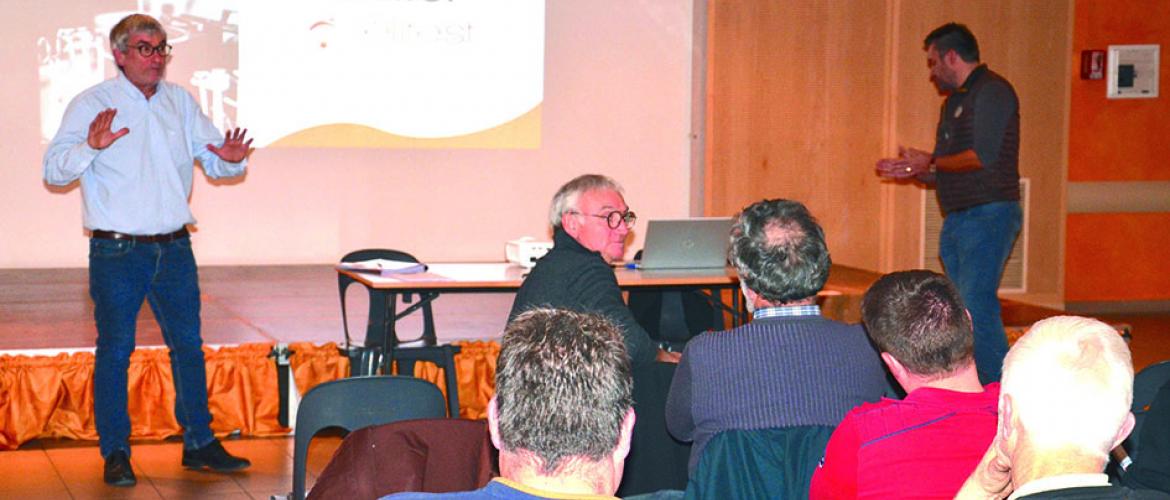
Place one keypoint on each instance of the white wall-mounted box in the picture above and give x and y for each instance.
(1133, 71)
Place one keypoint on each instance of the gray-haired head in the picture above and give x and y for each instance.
(779, 251)
(566, 198)
(131, 25)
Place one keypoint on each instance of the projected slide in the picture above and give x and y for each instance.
(344, 73)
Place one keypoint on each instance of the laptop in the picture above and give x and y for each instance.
(696, 243)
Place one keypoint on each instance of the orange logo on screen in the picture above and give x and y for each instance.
(322, 30)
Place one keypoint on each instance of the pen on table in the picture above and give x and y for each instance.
(633, 265)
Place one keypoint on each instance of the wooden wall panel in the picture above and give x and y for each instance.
(795, 111)
(804, 97)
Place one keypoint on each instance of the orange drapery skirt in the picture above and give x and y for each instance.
(52, 396)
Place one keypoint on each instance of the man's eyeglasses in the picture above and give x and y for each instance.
(145, 50)
(614, 219)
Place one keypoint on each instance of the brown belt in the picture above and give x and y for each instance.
(148, 238)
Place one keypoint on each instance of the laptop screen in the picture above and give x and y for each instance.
(695, 243)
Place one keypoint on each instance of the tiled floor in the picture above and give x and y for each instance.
(70, 469)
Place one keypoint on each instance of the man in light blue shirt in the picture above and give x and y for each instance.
(133, 141)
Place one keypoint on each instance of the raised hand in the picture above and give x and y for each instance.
(234, 148)
(100, 135)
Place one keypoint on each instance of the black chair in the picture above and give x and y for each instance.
(357, 402)
(776, 463)
(674, 316)
(1150, 441)
(1145, 386)
(383, 302)
(382, 343)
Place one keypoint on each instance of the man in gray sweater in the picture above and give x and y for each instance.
(790, 366)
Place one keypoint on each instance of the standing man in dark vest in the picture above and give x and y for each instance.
(975, 166)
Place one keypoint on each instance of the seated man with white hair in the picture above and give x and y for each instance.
(591, 223)
(1064, 403)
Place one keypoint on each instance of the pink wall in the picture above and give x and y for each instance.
(617, 101)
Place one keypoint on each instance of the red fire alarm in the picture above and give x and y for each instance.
(1092, 65)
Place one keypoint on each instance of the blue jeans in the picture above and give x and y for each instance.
(974, 246)
(121, 274)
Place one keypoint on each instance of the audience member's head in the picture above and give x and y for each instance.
(779, 251)
(918, 318)
(562, 415)
(1069, 384)
(591, 209)
(1064, 403)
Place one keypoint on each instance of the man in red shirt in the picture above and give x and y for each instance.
(925, 445)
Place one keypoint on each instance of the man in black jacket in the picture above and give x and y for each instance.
(591, 222)
(1150, 467)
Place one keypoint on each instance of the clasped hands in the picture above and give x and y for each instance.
(910, 163)
(234, 149)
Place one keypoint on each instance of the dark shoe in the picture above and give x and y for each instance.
(213, 457)
(118, 471)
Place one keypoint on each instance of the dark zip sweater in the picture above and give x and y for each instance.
(573, 277)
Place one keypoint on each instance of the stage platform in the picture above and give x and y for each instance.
(45, 311)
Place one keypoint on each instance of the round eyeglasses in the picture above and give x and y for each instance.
(615, 219)
(145, 50)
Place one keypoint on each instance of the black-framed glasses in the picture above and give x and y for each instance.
(614, 219)
(146, 50)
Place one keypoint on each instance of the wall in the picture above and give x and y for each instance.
(795, 109)
(617, 101)
(1118, 149)
(806, 95)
